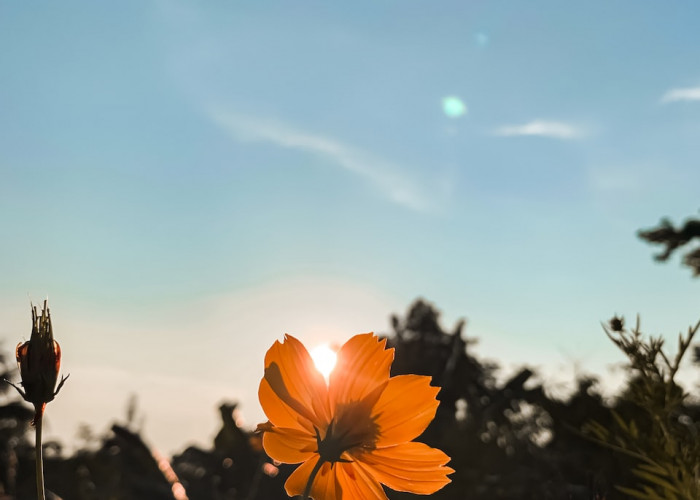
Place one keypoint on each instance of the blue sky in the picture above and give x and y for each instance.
(187, 181)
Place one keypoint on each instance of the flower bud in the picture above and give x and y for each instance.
(617, 323)
(39, 361)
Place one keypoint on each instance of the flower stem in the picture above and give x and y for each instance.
(38, 419)
(312, 476)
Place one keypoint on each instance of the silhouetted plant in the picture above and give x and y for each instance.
(39, 361)
(671, 238)
(14, 430)
(653, 421)
(508, 439)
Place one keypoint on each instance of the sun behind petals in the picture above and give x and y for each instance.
(355, 433)
(324, 359)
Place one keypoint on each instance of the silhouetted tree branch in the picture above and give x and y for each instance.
(671, 238)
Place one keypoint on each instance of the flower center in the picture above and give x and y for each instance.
(353, 428)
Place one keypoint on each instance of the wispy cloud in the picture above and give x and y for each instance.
(684, 94)
(541, 128)
(384, 175)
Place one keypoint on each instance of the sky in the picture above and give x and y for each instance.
(188, 181)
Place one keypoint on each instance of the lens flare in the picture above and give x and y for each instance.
(481, 39)
(453, 107)
(324, 359)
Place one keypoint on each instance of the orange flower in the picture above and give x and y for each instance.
(354, 432)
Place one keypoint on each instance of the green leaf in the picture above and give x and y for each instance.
(654, 469)
(634, 493)
(620, 421)
(655, 479)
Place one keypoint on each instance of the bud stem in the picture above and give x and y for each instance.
(38, 419)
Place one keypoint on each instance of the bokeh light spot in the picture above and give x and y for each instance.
(481, 39)
(270, 469)
(453, 107)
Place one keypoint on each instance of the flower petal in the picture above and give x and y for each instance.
(404, 409)
(289, 446)
(358, 484)
(363, 363)
(296, 482)
(324, 487)
(291, 374)
(280, 414)
(413, 467)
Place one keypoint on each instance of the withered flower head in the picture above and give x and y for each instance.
(39, 361)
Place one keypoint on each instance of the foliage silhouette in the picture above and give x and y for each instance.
(512, 441)
(672, 239)
(509, 440)
(656, 426)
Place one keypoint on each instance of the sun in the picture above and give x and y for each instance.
(324, 359)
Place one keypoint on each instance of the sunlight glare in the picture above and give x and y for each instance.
(324, 359)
